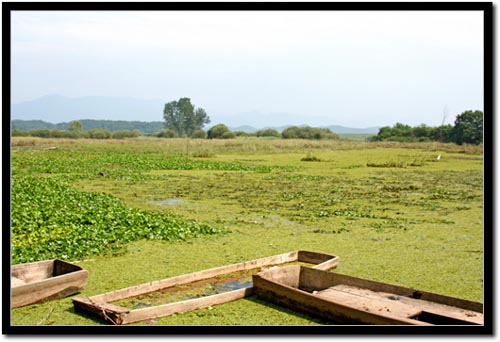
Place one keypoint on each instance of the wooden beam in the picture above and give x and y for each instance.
(195, 276)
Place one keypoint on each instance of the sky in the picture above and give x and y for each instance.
(352, 68)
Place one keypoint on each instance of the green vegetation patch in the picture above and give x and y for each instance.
(119, 164)
(52, 220)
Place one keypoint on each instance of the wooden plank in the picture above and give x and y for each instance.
(121, 315)
(14, 282)
(322, 280)
(369, 301)
(394, 301)
(33, 271)
(51, 288)
(322, 261)
(133, 291)
(111, 313)
(327, 265)
(184, 306)
(91, 305)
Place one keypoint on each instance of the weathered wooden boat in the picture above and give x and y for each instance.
(41, 281)
(101, 305)
(344, 299)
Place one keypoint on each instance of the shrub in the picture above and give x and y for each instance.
(169, 133)
(310, 158)
(125, 134)
(98, 133)
(269, 132)
(295, 132)
(228, 135)
(217, 131)
(243, 134)
(203, 154)
(42, 133)
(19, 133)
(199, 134)
(57, 133)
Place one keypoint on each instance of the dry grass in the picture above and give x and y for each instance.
(212, 147)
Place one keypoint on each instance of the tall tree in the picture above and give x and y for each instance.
(182, 117)
(468, 128)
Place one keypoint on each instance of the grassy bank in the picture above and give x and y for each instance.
(392, 212)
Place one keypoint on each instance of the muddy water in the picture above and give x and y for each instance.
(168, 201)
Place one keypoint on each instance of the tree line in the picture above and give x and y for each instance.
(183, 119)
(467, 129)
(109, 125)
(75, 131)
(221, 131)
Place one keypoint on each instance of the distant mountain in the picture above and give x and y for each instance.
(245, 128)
(57, 108)
(350, 130)
(113, 113)
(333, 128)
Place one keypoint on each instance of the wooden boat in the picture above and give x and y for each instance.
(45, 280)
(348, 300)
(101, 305)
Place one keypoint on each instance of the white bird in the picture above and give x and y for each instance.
(438, 157)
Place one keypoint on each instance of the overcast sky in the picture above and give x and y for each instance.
(356, 69)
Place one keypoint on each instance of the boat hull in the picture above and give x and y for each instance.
(102, 305)
(343, 299)
(46, 280)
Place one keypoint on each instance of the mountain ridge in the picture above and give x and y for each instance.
(56, 110)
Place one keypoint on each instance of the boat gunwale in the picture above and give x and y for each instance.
(101, 304)
(50, 263)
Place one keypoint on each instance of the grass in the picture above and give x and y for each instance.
(389, 210)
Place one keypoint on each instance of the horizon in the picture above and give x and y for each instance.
(212, 123)
(206, 126)
(348, 68)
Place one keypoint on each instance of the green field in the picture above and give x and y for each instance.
(138, 210)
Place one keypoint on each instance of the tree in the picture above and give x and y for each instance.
(217, 131)
(75, 126)
(182, 117)
(421, 132)
(468, 128)
(442, 133)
